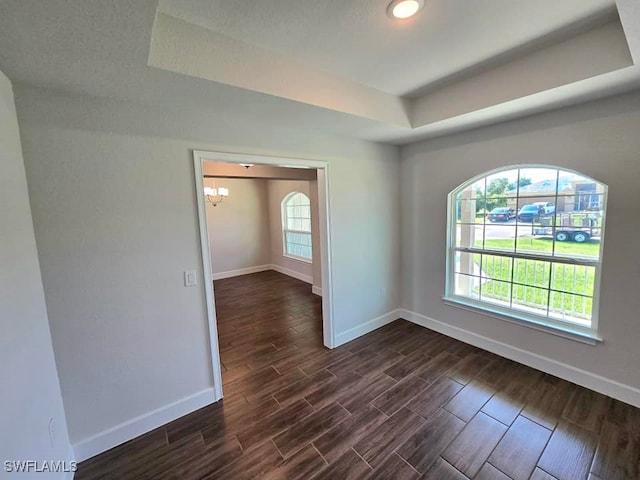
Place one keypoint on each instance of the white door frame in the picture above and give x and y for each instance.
(199, 157)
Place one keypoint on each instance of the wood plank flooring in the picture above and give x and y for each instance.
(402, 402)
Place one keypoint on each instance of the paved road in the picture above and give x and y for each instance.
(509, 229)
(502, 230)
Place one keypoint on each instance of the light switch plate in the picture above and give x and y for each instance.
(190, 278)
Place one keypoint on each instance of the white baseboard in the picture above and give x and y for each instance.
(316, 291)
(611, 388)
(144, 423)
(366, 327)
(264, 268)
(240, 271)
(292, 273)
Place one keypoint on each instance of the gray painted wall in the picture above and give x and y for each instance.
(239, 226)
(278, 190)
(598, 139)
(114, 209)
(30, 390)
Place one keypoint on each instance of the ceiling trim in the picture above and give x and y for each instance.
(188, 49)
(586, 63)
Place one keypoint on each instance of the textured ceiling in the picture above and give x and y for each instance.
(337, 65)
(357, 40)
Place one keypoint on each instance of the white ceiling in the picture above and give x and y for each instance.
(357, 40)
(337, 65)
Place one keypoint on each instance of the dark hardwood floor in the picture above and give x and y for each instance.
(402, 402)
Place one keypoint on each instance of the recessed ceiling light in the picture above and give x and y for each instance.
(401, 9)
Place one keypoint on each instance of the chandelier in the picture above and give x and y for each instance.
(215, 195)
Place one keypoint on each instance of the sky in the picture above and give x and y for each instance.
(536, 174)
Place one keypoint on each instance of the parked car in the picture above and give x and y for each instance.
(529, 212)
(501, 214)
(548, 207)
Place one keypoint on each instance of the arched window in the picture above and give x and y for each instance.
(296, 226)
(526, 243)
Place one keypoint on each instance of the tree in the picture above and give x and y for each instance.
(497, 186)
(522, 182)
(494, 195)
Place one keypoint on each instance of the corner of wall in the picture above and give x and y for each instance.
(31, 398)
(142, 424)
(367, 327)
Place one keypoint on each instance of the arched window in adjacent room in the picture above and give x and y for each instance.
(296, 226)
(525, 243)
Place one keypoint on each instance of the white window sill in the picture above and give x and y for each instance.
(298, 259)
(577, 334)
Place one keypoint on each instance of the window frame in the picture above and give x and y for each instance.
(547, 324)
(285, 230)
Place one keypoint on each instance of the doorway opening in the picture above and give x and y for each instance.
(212, 170)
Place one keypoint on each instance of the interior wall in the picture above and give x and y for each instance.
(30, 389)
(239, 226)
(600, 140)
(278, 190)
(316, 265)
(115, 217)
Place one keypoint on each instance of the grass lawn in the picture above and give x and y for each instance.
(545, 245)
(534, 275)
